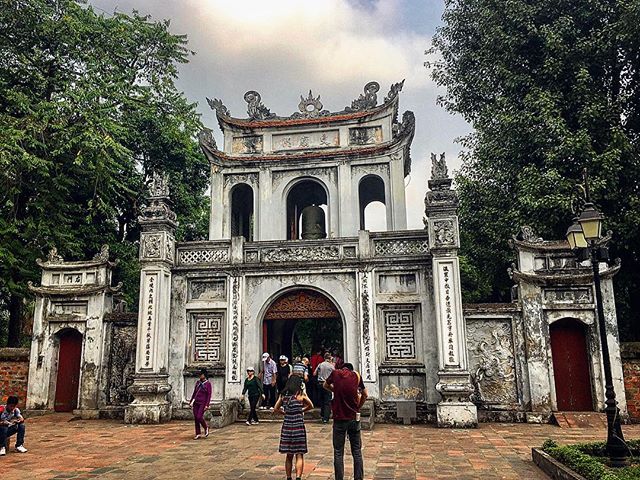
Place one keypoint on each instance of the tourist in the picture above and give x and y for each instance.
(283, 373)
(300, 368)
(252, 386)
(322, 372)
(200, 402)
(11, 422)
(293, 436)
(349, 394)
(316, 359)
(268, 377)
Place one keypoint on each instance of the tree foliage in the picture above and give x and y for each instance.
(550, 87)
(89, 110)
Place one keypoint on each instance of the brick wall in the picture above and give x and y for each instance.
(14, 370)
(631, 369)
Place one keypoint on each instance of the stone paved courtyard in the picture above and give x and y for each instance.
(60, 448)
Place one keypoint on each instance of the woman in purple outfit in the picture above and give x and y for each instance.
(200, 402)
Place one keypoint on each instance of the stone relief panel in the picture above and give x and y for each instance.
(399, 332)
(568, 295)
(300, 254)
(151, 246)
(300, 141)
(327, 174)
(206, 337)
(492, 361)
(444, 233)
(122, 363)
(381, 169)
(365, 135)
(212, 289)
(203, 256)
(392, 248)
(236, 178)
(247, 144)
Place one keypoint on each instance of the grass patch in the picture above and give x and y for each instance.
(589, 460)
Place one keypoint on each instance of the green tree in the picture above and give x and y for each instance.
(550, 87)
(89, 110)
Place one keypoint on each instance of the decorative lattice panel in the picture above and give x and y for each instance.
(206, 337)
(197, 257)
(399, 334)
(389, 248)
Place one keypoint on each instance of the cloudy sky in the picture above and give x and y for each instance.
(283, 48)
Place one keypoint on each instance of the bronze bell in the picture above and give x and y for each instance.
(313, 223)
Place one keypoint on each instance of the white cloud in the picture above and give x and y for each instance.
(282, 48)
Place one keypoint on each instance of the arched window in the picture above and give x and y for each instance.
(307, 193)
(242, 211)
(373, 210)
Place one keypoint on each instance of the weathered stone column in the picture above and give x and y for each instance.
(441, 202)
(157, 251)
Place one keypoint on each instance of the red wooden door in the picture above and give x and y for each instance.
(571, 366)
(68, 379)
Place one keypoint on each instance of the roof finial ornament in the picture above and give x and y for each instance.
(439, 167)
(205, 138)
(255, 108)
(159, 185)
(395, 89)
(219, 107)
(366, 100)
(53, 257)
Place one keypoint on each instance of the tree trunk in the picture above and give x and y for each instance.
(15, 321)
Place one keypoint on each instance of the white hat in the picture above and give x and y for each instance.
(284, 357)
(265, 355)
(250, 369)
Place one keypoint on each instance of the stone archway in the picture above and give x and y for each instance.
(293, 308)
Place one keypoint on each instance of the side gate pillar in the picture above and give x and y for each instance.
(455, 409)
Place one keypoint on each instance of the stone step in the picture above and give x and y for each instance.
(580, 419)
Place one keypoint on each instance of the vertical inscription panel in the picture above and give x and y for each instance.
(449, 312)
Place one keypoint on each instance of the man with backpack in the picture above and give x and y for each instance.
(349, 394)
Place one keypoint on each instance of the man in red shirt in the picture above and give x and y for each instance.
(349, 394)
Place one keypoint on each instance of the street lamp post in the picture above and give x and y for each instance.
(584, 237)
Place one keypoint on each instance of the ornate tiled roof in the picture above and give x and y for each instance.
(310, 109)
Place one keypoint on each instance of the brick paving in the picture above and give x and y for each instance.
(60, 447)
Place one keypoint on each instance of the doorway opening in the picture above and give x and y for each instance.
(571, 366)
(68, 376)
(242, 211)
(301, 322)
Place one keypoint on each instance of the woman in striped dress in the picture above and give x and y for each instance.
(293, 436)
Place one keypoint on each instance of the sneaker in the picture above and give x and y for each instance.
(248, 422)
(3, 451)
(21, 449)
(254, 422)
(206, 433)
(196, 437)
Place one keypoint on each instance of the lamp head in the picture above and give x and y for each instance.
(575, 236)
(591, 222)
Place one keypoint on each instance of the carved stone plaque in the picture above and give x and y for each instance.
(206, 337)
(568, 295)
(301, 141)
